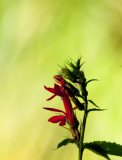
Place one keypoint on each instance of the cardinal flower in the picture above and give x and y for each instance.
(59, 118)
(60, 91)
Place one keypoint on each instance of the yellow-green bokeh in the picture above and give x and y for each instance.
(35, 37)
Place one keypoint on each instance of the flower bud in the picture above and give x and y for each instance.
(59, 80)
(65, 71)
(69, 74)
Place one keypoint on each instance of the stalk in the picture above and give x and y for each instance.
(82, 132)
(82, 136)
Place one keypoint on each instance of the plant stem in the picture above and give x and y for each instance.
(82, 132)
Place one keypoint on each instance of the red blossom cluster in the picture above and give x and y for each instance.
(68, 115)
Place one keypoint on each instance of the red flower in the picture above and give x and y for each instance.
(60, 118)
(60, 91)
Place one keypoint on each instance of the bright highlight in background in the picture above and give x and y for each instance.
(36, 37)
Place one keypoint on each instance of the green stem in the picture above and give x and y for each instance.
(82, 132)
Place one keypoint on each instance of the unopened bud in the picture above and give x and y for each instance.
(65, 71)
(59, 79)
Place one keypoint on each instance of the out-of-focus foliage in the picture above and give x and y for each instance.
(36, 37)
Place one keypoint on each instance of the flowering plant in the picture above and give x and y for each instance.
(71, 86)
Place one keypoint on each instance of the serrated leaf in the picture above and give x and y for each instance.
(108, 147)
(96, 149)
(111, 148)
(91, 80)
(95, 109)
(93, 103)
(66, 141)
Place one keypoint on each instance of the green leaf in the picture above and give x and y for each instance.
(111, 148)
(66, 141)
(91, 80)
(108, 147)
(95, 109)
(93, 103)
(96, 149)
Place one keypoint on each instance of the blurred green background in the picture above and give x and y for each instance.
(35, 37)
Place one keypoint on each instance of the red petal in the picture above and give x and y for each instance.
(56, 119)
(51, 97)
(75, 108)
(62, 123)
(58, 91)
(49, 89)
(55, 110)
(68, 109)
